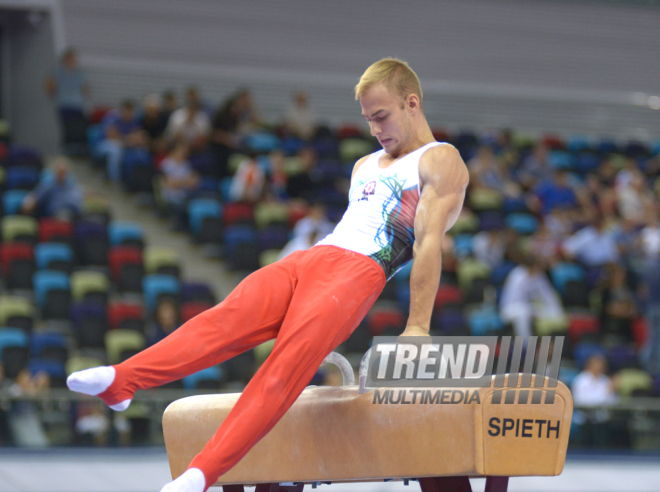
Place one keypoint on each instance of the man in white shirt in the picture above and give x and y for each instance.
(527, 295)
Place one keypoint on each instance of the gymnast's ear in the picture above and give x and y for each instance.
(412, 103)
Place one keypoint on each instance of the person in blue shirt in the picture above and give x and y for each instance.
(57, 195)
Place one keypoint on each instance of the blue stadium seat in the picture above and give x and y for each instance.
(199, 209)
(500, 272)
(463, 244)
(522, 223)
(236, 235)
(122, 232)
(562, 273)
(578, 143)
(12, 201)
(40, 341)
(22, 177)
(484, 321)
(45, 253)
(583, 350)
(607, 146)
(13, 337)
(95, 135)
(567, 375)
(558, 159)
(25, 156)
(55, 369)
(156, 285)
(262, 142)
(213, 373)
(46, 280)
(223, 187)
(587, 162)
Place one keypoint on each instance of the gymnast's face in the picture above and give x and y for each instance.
(389, 118)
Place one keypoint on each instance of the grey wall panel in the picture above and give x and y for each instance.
(586, 67)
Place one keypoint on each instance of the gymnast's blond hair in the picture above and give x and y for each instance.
(397, 76)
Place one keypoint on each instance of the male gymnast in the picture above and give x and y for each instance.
(402, 201)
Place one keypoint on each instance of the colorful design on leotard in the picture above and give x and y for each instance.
(396, 235)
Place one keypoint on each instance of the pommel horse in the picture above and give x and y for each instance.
(349, 434)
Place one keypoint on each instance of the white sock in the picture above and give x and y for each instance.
(191, 480)
(94, 381)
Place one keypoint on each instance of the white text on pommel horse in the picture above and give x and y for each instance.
(430, 361)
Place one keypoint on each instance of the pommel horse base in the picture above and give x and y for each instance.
(336, 434)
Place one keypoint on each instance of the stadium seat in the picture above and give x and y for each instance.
(483, 199)
(53, 256)
(97, 209)
(467, 222)
(90, 324)
(54, 368)
(582, 324)
(123, 233)
(268, 256)
(12, 200)
(197, 292)
(550, 326)
(13, 337)
(49, 345)
(17, 261)
(200, 209)
(238, 214)
(584, 350)
(558, 159)
(52, 230)
(631, 381)
(470, 269)
(117, 341)
(213, 373)
(16, 312)
(380, 318)
(241, 247)
(91, 243)
(159, 259)
(578, 143)
(463, 245)
(522, 223)
(80, 363)
(191, 309)
(157, 285)
(501, 272)
(273, 237)
(561, 273)
(484, 321)
(447, 294)
(351, 149)
(22, 178)
(262, 142)
(126, 316)
(268, 213)
(126, 268)
(26, 157)
(52, 294)
(14, 360)
(622, 357)
(19, 228)
(576, 294)
(587, 162)
(450, 322)
(90, 285)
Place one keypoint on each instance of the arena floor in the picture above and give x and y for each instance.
(146, 470)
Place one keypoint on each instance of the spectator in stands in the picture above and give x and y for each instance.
(549, 194)
(650, 235)
(153, 122)
(309, 230)
(190, 123)
(528, 295)
(57, 196)
(248, 184)
(635, 201)
(488, 171)
(545, 246)
(651, 351)
(24, 423)
(299, 119)
(179, 181)
(535, 168)
(593, 388)
(302, 184)
(277, 177)
(593, 246)
(170, 104)
(122, 130)
(68, 87)
(619, 304)
(490, 246)
(166, 320)
(230, 124)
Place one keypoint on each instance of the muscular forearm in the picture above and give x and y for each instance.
(424, 282)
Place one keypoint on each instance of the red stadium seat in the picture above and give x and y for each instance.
(582, 324)
(120, 256)
(381, 318)
(238, 213)
(448, 294)
(52, 230)
(120, 315)
(191, 309)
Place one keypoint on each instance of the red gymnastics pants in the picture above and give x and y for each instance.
(310, 302)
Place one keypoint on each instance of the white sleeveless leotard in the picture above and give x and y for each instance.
(379, 220)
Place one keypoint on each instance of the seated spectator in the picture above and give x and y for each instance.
(490, 247)
(303, 183)
(153, 122)
(488, 171)
(593, 246)
(550, 194)
(535, 168)
(299, 119)
(166, 320)
(25, 425)
(277, 177)
(190, 123)
(247, 185)
(309, 230)
(59, 196)
(122, 130)
(650, 236)
(650, 353)
(545, 246)
(170, 104)
(179, 180)
(593, 388)
(619, 306)
(230, 124)
(634, 199)
(528, 295)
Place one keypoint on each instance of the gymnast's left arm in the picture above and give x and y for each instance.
(444, 179)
